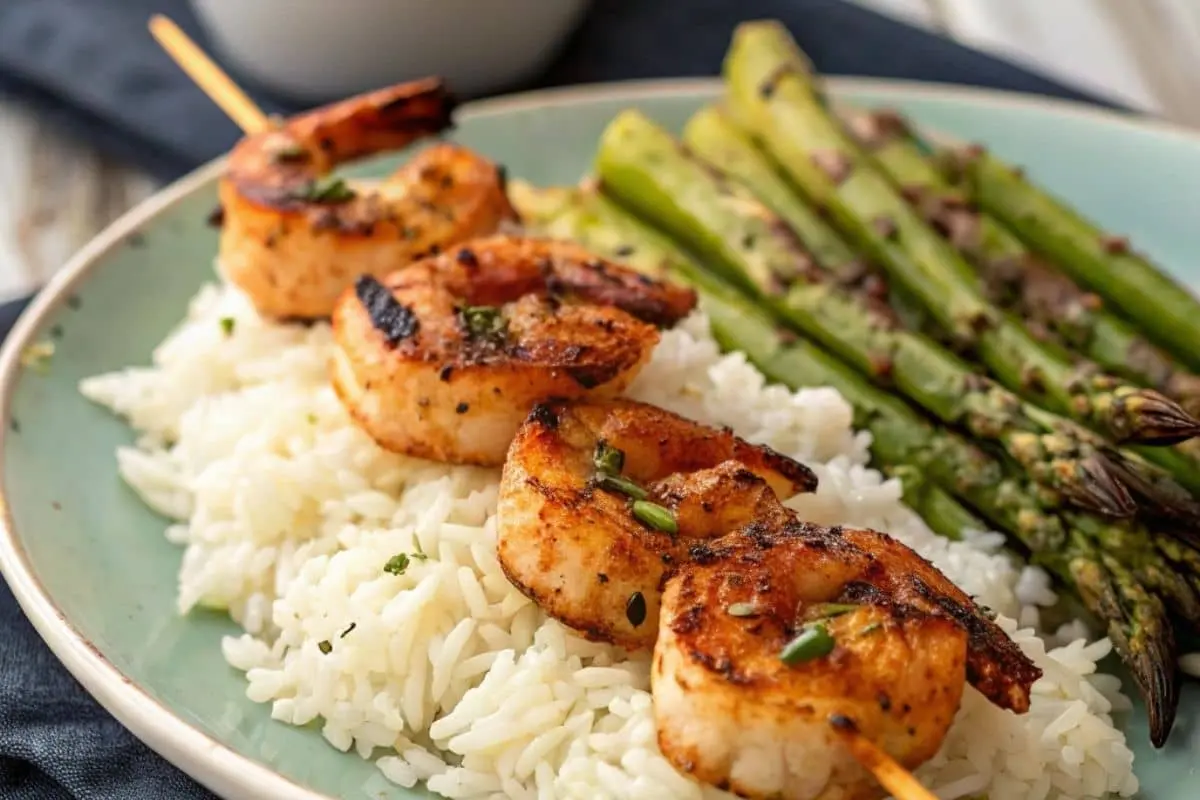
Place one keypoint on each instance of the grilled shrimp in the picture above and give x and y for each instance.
(445, 358)
(569, 541)
(766, 630)
(292, 238)
(775, 635)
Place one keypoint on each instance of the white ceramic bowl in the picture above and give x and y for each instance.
(321, 49)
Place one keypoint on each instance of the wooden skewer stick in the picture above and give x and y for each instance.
(208, 76)
(891, 775)
(242, 110)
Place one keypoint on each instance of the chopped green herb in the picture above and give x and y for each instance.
(396, 564)
(483, 322)
(227, 325)
(346, 632)
(869, 629)
(635, 609)
(330, 190)
(324, 646)
(615, 483)
(742, 609)
(37, 356)
(289, 153)
(418, 553)
(812, 642)
(655, 516)
(831, 610)
(312, 419)
(608, 459)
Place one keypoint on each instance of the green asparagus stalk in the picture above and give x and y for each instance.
(904, 443)
(772, 94)
(714, 138)
(711, 135)
(641, 166)
(1013, 276)
(944, 515)
(1106, 264)
(1024, 284)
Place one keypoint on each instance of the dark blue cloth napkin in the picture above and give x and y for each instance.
(91, 66)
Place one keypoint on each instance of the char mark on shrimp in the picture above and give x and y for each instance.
(1003, 674)
(392, 319)
(544, 414)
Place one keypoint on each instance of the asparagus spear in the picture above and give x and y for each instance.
(711, 135)
(904, 443)
(944, 515)
(772, 95)
(1167, 498)
(714, 138)
(1029, 287)
(1012, 275)
(641, 166)
(1106, 264)
(1140, 632)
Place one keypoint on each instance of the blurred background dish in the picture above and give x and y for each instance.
(316, 50)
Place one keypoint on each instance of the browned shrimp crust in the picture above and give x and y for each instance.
(292, 239)
(574, 547)
(733, 711)
(445, 358)
(995, 665)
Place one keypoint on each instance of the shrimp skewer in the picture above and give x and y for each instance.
(764, 628)
(783, 479)
(445, 358)
(293, 238)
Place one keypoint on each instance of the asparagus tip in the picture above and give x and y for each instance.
(1162, 499)
(1157, 420)
(1141, 633)
(1155, 673)
(1101, 491)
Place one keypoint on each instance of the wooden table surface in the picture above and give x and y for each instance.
(1144, 53)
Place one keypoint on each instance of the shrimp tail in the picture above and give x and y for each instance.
(384, 119)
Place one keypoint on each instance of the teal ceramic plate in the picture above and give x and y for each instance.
(89, 563)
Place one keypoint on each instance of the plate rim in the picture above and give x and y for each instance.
(215, 765)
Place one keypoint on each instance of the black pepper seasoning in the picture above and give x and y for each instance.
(635, 609)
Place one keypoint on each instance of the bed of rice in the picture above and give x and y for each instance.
(287, 514)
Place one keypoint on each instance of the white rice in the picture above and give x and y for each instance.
(447, 674)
